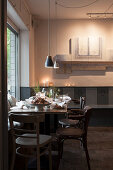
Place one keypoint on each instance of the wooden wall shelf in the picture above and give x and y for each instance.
(67, 67)
(87, 62)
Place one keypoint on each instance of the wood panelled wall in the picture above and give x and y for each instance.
(94, 95)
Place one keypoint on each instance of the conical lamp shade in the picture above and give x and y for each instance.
(49, 62)
(56, 65)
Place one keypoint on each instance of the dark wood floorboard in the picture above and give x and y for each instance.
(100, 146)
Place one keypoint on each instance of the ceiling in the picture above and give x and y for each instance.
(40, 8)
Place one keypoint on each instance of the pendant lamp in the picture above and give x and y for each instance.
(56, 64)
(49, 62)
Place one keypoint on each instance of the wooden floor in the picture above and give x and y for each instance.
(100, 145)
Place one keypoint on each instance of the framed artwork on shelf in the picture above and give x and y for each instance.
(88, 48)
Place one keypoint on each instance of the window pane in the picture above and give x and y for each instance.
(11, 61)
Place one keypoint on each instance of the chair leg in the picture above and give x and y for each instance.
(81, 143)
(38, 159)
(26, 164)
(50, 158)
(87, 156)
(13, 158)
(86, 152)
(58, 163)
(60, 148)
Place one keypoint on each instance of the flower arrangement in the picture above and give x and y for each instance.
(37, 88)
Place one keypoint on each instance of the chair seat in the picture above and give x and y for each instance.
(76, 117)
(70, 132)
(68, 122)
(31, 140)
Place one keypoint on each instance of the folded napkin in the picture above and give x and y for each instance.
(65, 98)
(21, 105)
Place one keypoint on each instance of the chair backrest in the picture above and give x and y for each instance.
(77, 101)
(25, 118)
(87, 113)
(73, 113)
(82, 102)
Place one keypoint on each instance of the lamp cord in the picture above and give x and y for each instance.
(49, 28)
(56, 23)
(83, 6)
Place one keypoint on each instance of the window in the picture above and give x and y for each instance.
(12, 58)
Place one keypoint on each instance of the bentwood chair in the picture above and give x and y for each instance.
(29, 143)
(79, 133)
(72, 118)
(73, 115)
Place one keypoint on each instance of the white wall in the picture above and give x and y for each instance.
(67, 29)
(23, 60)
(32, 54)
(24, 38)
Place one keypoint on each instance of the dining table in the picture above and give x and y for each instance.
(99, 111)
(46, 112)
